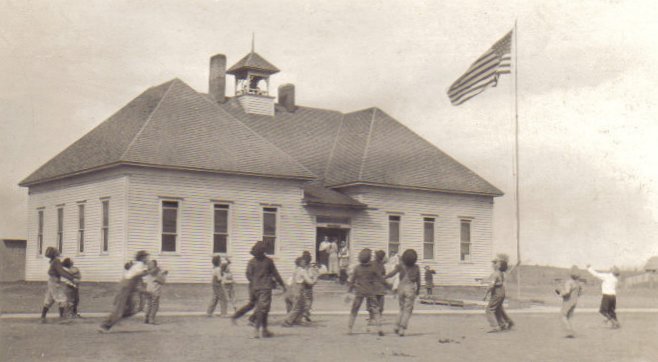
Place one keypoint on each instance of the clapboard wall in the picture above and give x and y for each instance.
(370, 228)
(196, 193)
(68, 194)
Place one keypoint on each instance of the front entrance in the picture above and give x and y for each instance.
(338, 235)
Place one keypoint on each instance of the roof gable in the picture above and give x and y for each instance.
(173, 126)
(107, 142)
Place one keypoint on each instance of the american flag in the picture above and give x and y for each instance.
(484, 72)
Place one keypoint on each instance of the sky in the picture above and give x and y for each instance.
(587, 113)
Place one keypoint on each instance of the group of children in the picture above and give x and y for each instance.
(143, 280)
(141, 284)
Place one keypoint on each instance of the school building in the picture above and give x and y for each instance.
(185, 175)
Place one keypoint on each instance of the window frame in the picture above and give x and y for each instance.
(270, 210)
(465, 258)
(81, 228)
(391, 218)
(105, 226)
(222, 206)
(40, 223)
(60, 229)
(177, 233)
(432, 243)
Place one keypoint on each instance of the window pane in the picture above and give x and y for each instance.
(60, 242)
(428, 251)
(219, 244)
(466, 232)
(60, 220)
(169, 220)
(106, 213)
(429, 232)
(465, 250)
(394, 231)
(221, 221)
(81, 216)
(173, 204)
(168, 242)
(81, 238)
(105, 239)
(269, 244)
(269, 223)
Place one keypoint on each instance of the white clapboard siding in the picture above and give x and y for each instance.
(94, 265)
(255, 104)
(370, 228)
(246, 197)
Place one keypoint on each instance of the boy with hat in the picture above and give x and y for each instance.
(408, 289)
(609, 294)
(367, 282)
(498, 319)
(569, 293)
(55, 292)
(429, 279)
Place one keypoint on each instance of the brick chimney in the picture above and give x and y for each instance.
(287, 97)
(217, 80)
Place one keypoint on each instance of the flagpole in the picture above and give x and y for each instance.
(516, 165)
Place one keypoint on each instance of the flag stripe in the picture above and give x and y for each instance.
(484, 72)
(478, 89)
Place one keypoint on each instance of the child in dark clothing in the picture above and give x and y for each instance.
(379, 265)
(57, 276)
(260, 273)
(366, 281)
(408, 288)
(498, 319)
(429, 279)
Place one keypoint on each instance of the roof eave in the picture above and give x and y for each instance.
(328, 204)
(420, 188)
(177, 168)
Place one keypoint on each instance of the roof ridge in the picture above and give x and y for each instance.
(333, 148)
(171, 83)
(365, 148)
(258, 135)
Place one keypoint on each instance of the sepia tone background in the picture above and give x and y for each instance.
(587, 110)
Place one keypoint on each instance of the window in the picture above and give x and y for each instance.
(393, 234)
(60, 229)
(81, 228)
(269, 229)
(105, 228)
(465, 240)
(428, 238)
(220, 232)
(40, 233)
(169, 225)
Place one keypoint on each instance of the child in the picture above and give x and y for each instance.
(393, 261)
(219, 294)
(569, 293)
(609, 294)
(154, 280)
(498, 319)
(379, 265)
(72, 286)
(55, 292)
(124, 303)
(260, 273)
(227, 281)
(307, 288)
(429, 279)
(300, 277)
(343, 262)
(408, 288)
(365, 281)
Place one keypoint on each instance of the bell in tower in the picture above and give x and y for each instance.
(252, 83)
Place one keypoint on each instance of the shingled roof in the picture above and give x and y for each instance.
(253, 61)
(172, 125)
(367, 147)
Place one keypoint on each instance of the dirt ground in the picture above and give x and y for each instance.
(536, 337)
(27, 297)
